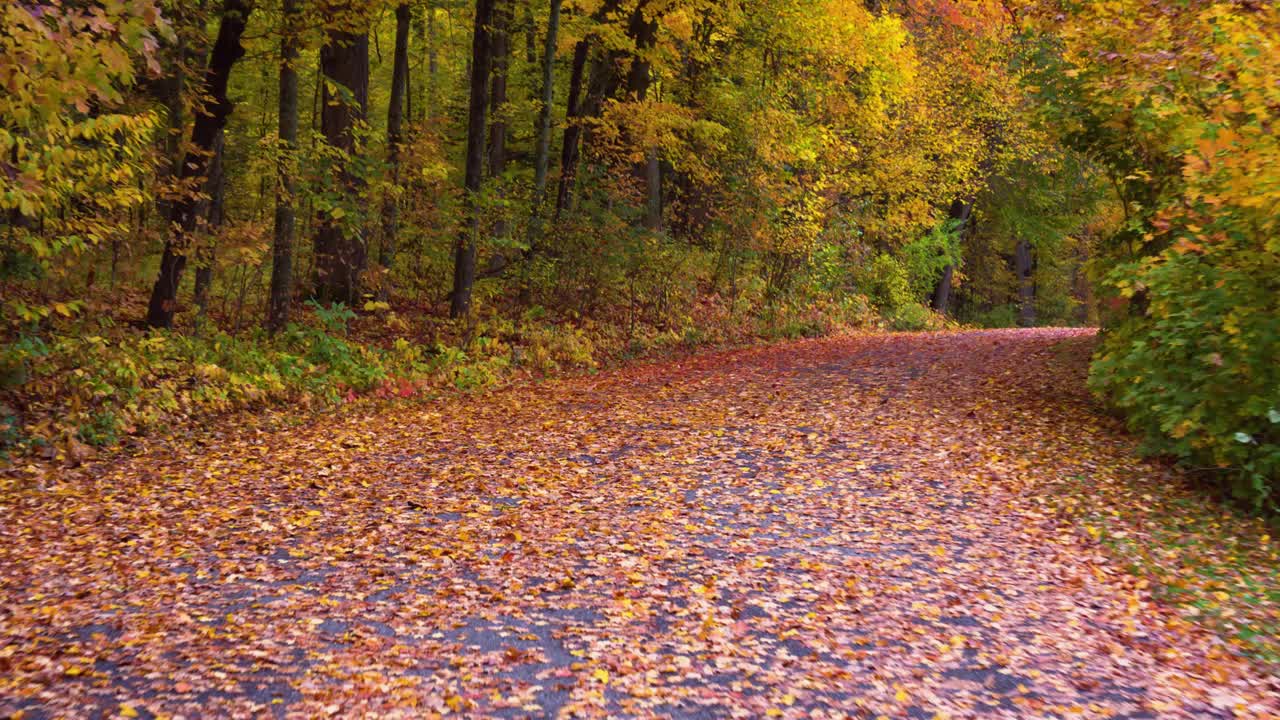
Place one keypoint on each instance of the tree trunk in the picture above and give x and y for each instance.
(530, 35)
(573, 125)
(602, 84)
(340, 253)
(1023, 268)
(226, 51)
(648, 171)
(395, 119)
(286, 184)
(464, 266)
(433, 55)
(501, 39)
(215, 188)
(960, 210)
(577, 107)
(542, 157)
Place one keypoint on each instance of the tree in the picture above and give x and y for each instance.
(643, 31)
(395, 122)
(941, 298)
(501, 36)
(464, 268)
(208, 123)
(542, 154)
(341, 254)
(214, 213)
(286, 184)
(573, 126)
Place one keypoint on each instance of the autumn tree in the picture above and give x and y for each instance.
(464, 269)
(395, 132)
(340, 244)
(281, 293)
(208, 123)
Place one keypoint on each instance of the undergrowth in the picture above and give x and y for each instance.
(93, 381)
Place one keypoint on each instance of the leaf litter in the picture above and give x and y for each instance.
(839, 528)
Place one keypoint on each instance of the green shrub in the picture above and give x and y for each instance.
(926, 257)
(886, 283)
(1197, 372)
(1000, 316)
(912, 316)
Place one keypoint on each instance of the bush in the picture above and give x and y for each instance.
(93, 385)
(1000, 316)
(1196, 373)
(886, 282)
(912, 316)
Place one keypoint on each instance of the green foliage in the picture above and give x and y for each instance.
(1196, 372)
(1000, 316)
(1188, 139)
(74, 156)
(925, 257)
(887, 282)
(95, 385)
(912, 316)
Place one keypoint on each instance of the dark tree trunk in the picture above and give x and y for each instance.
(286, 184)
(340, 253)
(530, 35)
(501, 39)
(648, 171)
(1024, 268)
(577, 107)
(395, 119)
(573, 125)
(464, 266)
(602, 84)
(433, 53)
(941, 299)
(226, 51)
(215, 188)
(960, 210)
(542, 157)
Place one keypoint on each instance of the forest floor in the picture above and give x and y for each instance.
(912, 525)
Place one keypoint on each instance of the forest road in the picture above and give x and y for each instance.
(858, 526)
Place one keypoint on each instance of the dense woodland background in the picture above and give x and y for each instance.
(215, 204)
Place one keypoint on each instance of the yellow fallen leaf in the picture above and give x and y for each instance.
(602, 675)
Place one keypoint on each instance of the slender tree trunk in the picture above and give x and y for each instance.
(960, 210)
(226, 51)
(542, 156)
(573, 126)
(648, 171)
(1024, 269)
(215, 188)
(501, 38)
(340, 253)
(464, 267)
(653, 188)
(602, 84)
(395, 118)
(286, 184)
(433, 54)
(530, 36)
